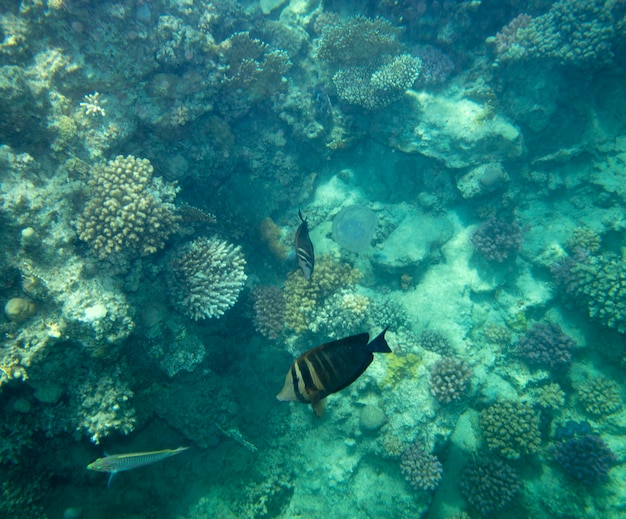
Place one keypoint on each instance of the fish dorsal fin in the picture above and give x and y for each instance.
(318, 407)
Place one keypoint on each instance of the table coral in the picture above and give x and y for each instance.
(128, 209)
(511, 428)
(206, 277)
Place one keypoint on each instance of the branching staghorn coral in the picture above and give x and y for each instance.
(206, 277)
(128, 210)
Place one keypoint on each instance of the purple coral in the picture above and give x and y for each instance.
(547, 346)
(269, 311)
(423, 471)
(587, 459)
(436, 65)
(497, 240)
(449, 379)
(489, 485)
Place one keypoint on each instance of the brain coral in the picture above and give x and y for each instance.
(206, 277)
(128, 210)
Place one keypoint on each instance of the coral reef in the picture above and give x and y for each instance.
(377, 86)
(587, 459)
(449, 379)
(421, 470)
(357, 40)
(546, 345)
(400, 367)
(271, 234)
(511, 428)
(497, 240)
(128, 209)
(489, 485)
(597, 283)
(269, 311)
(549, 396)
(436, 65)
(433, 340)
(206, 277)
(303, 298)
(600, 396)
(572, 33)
(342, 314)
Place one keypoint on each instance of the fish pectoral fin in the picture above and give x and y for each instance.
(318, 407)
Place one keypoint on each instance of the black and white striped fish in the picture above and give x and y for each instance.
(304, 249)
(329, 368)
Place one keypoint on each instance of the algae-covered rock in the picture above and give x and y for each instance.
(456, 131)
(18, 309)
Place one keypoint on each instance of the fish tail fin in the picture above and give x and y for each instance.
(379, 344)
(110, 479)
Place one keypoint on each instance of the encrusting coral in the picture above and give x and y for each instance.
(128, 210)
(511, 428)
(206, 277)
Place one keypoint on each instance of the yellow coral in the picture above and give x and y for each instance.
(128, 210)
(302, 296)
(400, 367)
(270, 234)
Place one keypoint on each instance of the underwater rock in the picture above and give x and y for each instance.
(353, 228)
(483, 180)
(458, 132)
(19, 309)
(267, 6)
(412, 242)
(371, 419)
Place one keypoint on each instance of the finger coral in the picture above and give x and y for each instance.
(421, 470)
(547, 346)
(511, 428)
(600, 396)
(497, 240)
(449, 379)
(269, 311)
(128, 210)
(489, 485)
(206, 277)
(587, 459)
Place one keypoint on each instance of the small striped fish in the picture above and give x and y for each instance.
(329, 368)
(304, 249)
(120, 462)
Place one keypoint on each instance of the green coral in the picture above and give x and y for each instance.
(511, 428)
(549, 397)
(600, 396)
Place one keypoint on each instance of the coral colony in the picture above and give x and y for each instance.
(201, 201)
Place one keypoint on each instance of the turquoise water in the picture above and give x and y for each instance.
(154, 155)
